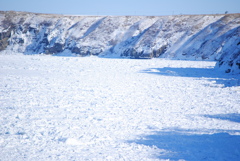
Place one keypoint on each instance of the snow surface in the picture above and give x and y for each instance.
(73, 108)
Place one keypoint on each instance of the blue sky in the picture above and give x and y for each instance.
(123, 7)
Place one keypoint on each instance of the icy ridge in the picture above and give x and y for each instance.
(188, 37)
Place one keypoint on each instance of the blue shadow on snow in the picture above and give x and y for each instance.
(234, 117)
(180, 144)
(211, 74)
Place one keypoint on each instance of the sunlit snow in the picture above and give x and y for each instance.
(73, 108)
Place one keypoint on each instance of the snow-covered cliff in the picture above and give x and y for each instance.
(194, 37)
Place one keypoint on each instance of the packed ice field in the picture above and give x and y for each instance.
(90, 108)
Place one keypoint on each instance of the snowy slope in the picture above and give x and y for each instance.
(71, 108)
(190, 37)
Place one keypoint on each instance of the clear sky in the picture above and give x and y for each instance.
(123, 7)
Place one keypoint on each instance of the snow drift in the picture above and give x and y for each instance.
(188, 37)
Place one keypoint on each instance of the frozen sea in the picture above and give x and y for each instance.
(90, 108)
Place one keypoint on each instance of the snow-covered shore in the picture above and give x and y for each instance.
(72, 108)
(213, 37)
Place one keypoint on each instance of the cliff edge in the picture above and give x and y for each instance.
(188, 37)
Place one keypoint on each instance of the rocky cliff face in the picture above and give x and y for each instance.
(193, 37)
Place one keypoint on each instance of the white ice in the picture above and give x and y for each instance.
(73, 108)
